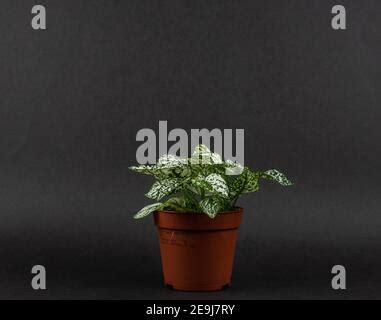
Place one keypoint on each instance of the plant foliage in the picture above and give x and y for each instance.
(203, 183)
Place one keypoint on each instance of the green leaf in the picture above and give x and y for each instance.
(211, 206)
(237, 184)
(163, 188)
(277, 176)
(201, 149)
(167, 166)
(180, 204)
(251, 184)
(246, 182)
(154, 170)
(147, 210)
(145, 169)
(218, 184)
(202, 155)
(233, 168)
(169, 161)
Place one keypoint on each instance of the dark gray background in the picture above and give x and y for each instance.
(74, 96)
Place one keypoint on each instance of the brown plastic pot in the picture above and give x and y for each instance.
(197, 252)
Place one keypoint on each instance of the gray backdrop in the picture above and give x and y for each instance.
(74, 96)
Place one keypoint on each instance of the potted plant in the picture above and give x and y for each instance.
(197, 217)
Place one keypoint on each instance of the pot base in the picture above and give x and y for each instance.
(216, 287)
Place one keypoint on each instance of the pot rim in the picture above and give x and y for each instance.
(198, 221)
(234, 210)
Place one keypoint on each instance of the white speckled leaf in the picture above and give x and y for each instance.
(251, 181)
(162, 188)
(246, 182)
(168, 161)
(147, 210)
(277, 176)
(146, 169)
(233, 168)
(202, 155)
(211, 206)
(218, 184)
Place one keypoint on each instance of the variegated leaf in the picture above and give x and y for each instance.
(179, 204)
(154, 170)
(237, 185)
(277, 176)
(199, 186)
(251, 184)
(163, 188)
(202, 155)
(145, 169)
(169, 161)
(233, 168)
(147, 210)
(211, 206)
(218, 184)
(201, 149)
(246, 182)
